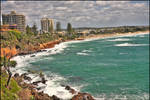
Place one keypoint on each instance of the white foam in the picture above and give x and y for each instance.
(87, 51)
(82, 53)
(122, 53)
(129, 44)
(120, 39)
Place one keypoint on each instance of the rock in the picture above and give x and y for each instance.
(36, 83)
(82, 96)
(43, 80)
(39, 88)
(42, 96)
(24, 74)
(32, 56)
(67, 87)
(27, 78)
(55, 97)
(16, 75)
(70, 89)
(19, 79)
(24, 94)
(44, 50)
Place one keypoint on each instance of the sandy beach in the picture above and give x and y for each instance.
(114, 34)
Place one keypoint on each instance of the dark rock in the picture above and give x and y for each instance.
(55, 97)
(27, 78)
(44, 50)
(43, 80)
(67, 87)
(39, 51)
(24, 74)
(42, 96)
(82, 96)
(39, 88)
(16, 75)
(36, 83)
(70, 89)
(32, 56)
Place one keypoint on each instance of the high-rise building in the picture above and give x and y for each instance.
(14, 19)
(47, 25)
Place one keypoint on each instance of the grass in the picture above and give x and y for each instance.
(11, 92)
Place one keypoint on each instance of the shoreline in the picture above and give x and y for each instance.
(115, 35)
(96, 37)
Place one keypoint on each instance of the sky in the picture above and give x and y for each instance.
(82, 13)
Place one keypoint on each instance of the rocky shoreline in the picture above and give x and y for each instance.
(29, 89)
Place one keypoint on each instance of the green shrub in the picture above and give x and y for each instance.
(16, 33)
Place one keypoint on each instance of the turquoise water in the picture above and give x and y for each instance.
(107, 68)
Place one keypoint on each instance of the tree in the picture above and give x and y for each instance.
(7, 64)
(69, 28)
(58, 26)
(28, 30)
(34, 28)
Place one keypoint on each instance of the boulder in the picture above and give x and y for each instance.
(43, 80)
(16, 75)
(36, 83)
(55, 97)
(24, 74)
(41, 96)
(70, 89)
(27, 78)
(82, 96)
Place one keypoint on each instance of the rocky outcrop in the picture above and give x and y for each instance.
(70, 89)
(82, 96)
(9, 52)
(49, 44)
(25, 94)
(29, 49)
(16, 75)
(78, 95)
(28, 90)
(55, 97)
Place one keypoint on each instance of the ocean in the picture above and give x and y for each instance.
(115, 68)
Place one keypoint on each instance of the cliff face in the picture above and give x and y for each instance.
(8, 52)
(49, 44)
(12, 51)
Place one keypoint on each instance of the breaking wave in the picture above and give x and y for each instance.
(129, 44)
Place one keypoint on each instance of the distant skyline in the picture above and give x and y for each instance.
(82, 13)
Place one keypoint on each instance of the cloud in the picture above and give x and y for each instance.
(82, 13)
(61, 8)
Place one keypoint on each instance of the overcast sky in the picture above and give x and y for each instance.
(82, 13)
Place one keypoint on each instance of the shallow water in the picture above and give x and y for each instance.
(110, 68)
